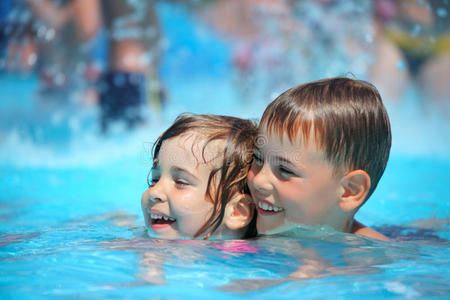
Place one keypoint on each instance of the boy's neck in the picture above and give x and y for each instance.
(348, 225)
(342, 221)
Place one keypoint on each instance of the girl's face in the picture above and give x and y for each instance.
(176, 204)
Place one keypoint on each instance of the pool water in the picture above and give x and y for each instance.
(71, 226)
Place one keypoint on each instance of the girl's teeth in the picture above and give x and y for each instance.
(158, 217)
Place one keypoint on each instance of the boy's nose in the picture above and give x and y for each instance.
(261, 180)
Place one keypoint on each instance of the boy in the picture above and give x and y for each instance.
(322, 149)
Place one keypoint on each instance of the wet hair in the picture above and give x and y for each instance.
(345, 117)
(230, 177)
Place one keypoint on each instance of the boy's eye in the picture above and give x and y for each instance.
(285, 172)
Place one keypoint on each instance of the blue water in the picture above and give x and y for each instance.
(71, 226)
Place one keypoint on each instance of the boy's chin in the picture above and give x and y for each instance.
(267, 228)
(270, 228)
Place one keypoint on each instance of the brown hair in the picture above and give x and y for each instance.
(231, 175)
(346, 118)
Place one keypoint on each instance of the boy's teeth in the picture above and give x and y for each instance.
(268, 207)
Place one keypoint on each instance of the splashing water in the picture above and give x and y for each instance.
(70, 196)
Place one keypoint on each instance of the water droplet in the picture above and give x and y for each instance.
(416, 29)
(74, 124)
(441, 12)
(401, 65)
(145, 59)
(59, 79)
(57, 118)
(32, 59)
(164, 43)
(50, 34)
(369, 38)
(39, 133)
(41, 31)
(25, 16)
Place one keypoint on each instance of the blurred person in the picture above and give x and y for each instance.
(67, 41)
(17, 37)
(127, 71)
(388, 58)
(413, 46)
(131, 77)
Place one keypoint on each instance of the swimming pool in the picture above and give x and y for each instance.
(71, 224)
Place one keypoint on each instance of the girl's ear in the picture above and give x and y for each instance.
(239, 212)
(354, 186)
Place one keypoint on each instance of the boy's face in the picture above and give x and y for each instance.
(292, 183)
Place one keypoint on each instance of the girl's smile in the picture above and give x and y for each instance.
(176, 203)
(160, 220)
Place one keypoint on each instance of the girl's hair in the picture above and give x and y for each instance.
(231, 174)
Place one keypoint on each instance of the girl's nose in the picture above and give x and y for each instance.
(145, 199)
(156, 193)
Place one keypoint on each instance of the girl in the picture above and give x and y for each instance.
(198, 180)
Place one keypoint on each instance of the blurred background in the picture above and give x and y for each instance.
(86, 86)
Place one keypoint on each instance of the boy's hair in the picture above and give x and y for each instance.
(346, 118)
(231, 174)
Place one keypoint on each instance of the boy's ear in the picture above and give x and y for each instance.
(239, 212)
(355, 186)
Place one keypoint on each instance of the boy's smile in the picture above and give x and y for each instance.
(266, 208)
(292, 183)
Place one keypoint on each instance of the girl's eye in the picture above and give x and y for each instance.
(257, 160)
(153, 181)
(154, 176)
